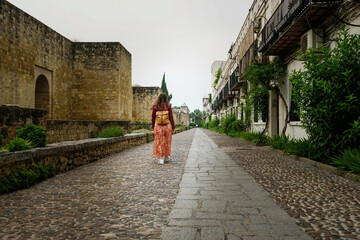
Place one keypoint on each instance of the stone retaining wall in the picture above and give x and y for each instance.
(69, 155)
(14, 117)
(64, 130)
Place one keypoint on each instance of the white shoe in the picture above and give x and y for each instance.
(161, 161)
(167, 159)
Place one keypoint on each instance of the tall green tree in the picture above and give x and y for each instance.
(164, 88)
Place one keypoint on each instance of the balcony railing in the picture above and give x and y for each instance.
(226, 90)
(292, 13)
(234, 78)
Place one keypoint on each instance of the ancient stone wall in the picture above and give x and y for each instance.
(144, 98)
(12, 118)
(24, 44)
(39, 68)
(101, 91)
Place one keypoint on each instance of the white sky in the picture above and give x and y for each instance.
(179, 37)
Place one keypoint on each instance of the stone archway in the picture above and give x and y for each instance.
(42, 93)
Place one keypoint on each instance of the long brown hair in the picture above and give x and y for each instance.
(162, 101)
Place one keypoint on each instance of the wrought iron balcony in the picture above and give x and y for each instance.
(293, 18)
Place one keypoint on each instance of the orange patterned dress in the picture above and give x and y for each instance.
(163, 134)
(162, 141)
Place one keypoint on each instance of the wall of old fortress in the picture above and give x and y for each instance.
(102, 82)
(86, 81)
(26, 43)
(88, 84)
(144, 99)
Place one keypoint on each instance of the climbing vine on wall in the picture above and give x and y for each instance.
(217, 77)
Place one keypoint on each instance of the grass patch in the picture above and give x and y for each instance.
(18, 144)
(349, 161)
(27, 176)
(111, 132)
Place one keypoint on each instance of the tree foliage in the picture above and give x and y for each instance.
(328, 93)
(264, 78)
(196, 117)
(164, 88)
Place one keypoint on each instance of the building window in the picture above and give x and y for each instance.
(256, 112)
(294, 116)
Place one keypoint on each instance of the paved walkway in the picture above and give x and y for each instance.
(218, 200)
(325, 205)
(123, 196)
(210, 190)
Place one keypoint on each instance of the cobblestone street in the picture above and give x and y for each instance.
(211, 189)
(123, 196)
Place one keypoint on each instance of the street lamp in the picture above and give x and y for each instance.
(257, 23)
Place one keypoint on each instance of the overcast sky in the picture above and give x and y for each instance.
(179, 37)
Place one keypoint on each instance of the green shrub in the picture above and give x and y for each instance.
(327, 93)
(18, 144)
(302, 147)
(213, 124)
(33, 133)
(279, 142)
(94, 134)
(257, 137)
(237, 126)
(25, 177)
(1, 140)
(4, 150)
(226, 123)
(193, 124)
(111, 132)
(260, 137)
(349, 160)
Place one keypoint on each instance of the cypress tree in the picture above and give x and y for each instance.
(164, 88)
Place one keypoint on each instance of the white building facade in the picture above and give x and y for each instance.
(279, 28)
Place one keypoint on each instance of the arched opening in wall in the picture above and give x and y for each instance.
(42, 93)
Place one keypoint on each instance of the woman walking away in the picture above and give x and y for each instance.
(163, 126)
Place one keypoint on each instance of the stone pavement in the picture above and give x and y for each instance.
(218, 200)
(325, 205)
(123, 196)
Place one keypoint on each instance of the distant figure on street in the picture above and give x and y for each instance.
(163, 126)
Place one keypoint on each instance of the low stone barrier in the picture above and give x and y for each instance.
(72, 154)
(72, 130)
